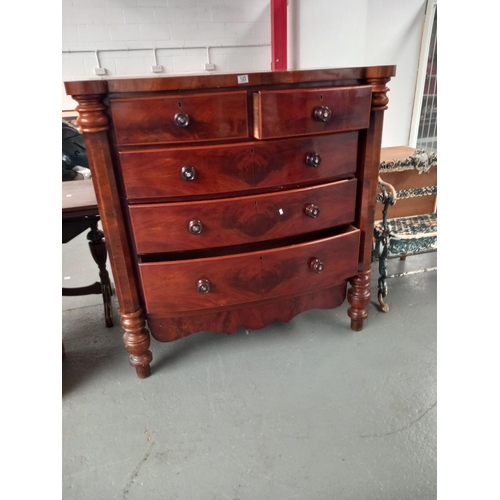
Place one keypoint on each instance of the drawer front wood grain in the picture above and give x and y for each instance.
(173, 287)
(286, 113)
(159, 173)
(223, 169)
(152, 120)
(167, 227)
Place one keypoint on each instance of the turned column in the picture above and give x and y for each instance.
(359, 298)
(359, 292)
(94, 124)
(136, 339)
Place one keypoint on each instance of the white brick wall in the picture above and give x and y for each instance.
(110, 25)
(321, 33)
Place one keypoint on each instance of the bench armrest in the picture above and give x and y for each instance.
(388, 192)
(388, 197)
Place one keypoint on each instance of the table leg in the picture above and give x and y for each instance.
(98, 250)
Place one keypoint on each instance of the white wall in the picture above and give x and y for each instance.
(322, 33)
(363, 32)
(121, 24)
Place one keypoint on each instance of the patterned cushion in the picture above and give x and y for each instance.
(410, 235)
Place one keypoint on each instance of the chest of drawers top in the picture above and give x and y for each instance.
(276, 98)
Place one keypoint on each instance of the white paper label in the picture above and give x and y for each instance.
(242, 78)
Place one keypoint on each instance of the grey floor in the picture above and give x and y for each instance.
(303, 410)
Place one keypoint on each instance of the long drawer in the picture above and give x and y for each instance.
(164, 173)
(287, 113)
(169, 227)
(182, 118)
(215, 282)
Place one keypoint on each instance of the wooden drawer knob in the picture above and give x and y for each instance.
(322, 114)
(313, 159)
(203, 286)
(181, 119)
(316, 265)
(195, 227)
(188, 173)
(312, 211)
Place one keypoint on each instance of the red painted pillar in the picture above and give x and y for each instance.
(279, 34)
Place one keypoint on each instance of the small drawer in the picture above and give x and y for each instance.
(287, 113)
(182, 118)
(184, 172)
(208, 283)
(171, 227)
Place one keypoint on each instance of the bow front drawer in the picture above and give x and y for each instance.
(214, 282)
(182, 118)
(172, 227)
(287, 113)
(186, 172)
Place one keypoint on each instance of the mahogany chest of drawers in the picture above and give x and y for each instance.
(228, 204)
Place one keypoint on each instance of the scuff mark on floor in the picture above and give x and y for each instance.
(402, 428)
(135, 472)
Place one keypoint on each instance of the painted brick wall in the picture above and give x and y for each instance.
(113, 26)
(321, 33)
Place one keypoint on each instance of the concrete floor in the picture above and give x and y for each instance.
(303, 410)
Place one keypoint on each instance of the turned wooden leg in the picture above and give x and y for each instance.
(359, 298)
(99, 254)
(136, 339)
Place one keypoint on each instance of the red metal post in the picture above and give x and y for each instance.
(279, 35)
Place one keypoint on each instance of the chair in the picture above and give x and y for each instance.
(410, 178)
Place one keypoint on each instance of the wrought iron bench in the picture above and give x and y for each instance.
(410, 177)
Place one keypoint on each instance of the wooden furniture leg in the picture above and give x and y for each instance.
(98, 250)
(137, 340)
(359, 298)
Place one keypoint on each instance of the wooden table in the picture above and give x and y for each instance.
(79, 213)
